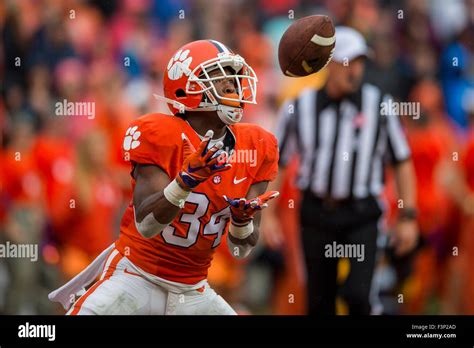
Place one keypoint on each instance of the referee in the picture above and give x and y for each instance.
(343, 142)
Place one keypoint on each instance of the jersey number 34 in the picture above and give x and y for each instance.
(215, 226)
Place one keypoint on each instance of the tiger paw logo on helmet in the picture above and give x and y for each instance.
(179, 65)
(131, 139)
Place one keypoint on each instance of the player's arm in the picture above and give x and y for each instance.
(245, 219)
(157, 199)
(153, 212)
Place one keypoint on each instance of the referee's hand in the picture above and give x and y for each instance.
(405, 237)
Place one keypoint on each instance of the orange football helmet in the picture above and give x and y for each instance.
(188, 86)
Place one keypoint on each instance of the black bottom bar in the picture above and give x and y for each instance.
(159, 331)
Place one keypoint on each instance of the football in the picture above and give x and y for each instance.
(306, 46)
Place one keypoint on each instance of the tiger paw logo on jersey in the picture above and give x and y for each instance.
(131, 139)
(179, 65)
(217, 179)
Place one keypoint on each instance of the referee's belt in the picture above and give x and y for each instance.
(331, 203)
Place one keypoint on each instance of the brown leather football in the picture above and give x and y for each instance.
(306, 46)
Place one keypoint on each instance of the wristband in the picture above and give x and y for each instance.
(175, 194)
(408, 214)
(149, 227)
(241, 232)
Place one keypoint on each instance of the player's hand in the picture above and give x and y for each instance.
(243, 210)
(202, 163)
(405, 237)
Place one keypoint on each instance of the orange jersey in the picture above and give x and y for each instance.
(184, 250)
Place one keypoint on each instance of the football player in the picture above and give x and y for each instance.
(189, 190)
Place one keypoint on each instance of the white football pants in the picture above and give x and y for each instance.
(121, 290)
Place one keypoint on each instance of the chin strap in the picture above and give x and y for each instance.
(229, 114)
(176, 104)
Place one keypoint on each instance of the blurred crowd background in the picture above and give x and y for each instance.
(64, 185)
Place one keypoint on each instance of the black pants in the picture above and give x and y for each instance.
(353, 222)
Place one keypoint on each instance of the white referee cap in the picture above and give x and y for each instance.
(350, 44)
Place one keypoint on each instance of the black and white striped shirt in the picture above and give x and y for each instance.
(342, 145)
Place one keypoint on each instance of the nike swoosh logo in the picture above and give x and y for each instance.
(238, 181)
(192, 170)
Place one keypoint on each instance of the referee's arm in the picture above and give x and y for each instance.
(405, 236)
(285, 132)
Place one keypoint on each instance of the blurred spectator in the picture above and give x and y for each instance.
(457, 75)
(24, 220)
(93, 203)
(385, 68)
(433, 145)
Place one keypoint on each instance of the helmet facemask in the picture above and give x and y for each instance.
(229, 107)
